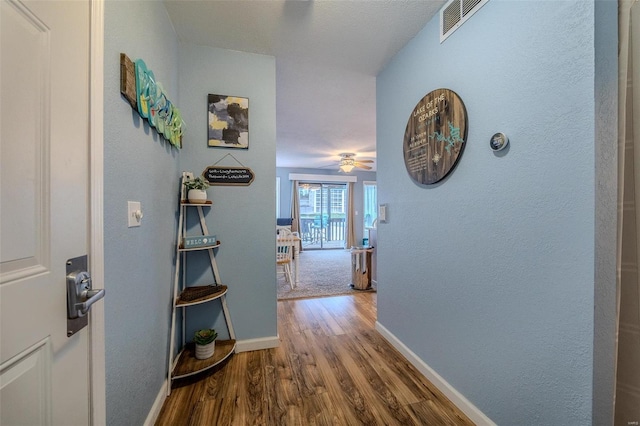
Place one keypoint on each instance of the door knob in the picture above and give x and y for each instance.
(80, 294)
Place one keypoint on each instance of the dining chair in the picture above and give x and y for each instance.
(285, 232)
(284, 256)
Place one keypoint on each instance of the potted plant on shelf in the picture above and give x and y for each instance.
(197, 190)
(205, 340)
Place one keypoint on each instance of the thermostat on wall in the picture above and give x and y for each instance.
(498, 141)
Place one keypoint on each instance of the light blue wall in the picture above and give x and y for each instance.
(285, 191)
(243, 217)
(138, 166)
(489, 276)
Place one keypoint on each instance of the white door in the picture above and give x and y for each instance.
(44, 205)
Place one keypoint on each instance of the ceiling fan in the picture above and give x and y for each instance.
(348, 162)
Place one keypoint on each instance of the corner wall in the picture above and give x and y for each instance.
(488, 276)
(242, 217)
(139, 262)
(606, 164)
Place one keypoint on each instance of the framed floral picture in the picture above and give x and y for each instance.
(228, 122)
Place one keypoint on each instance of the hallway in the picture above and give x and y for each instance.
(332, 368)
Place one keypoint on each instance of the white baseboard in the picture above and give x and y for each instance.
(477, 416)
(157, 405)
(257, 344)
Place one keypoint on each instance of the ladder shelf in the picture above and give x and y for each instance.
(185, 364)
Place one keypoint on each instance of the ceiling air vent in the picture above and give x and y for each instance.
(454, 13)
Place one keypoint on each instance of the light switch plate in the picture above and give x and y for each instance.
(382, 213)
(135, 213)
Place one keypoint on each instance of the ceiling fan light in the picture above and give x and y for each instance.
(347, 163)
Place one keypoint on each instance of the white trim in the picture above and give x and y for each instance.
(98, 408)
(476, 416)
(257, 344)
(157, 405)
(322, 178)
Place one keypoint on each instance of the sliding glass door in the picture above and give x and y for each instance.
(323, 213)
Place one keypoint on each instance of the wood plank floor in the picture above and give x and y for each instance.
(332, 368)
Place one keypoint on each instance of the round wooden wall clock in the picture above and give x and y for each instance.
(435, 136)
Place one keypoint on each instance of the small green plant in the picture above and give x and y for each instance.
(197, 183)
(205, 336)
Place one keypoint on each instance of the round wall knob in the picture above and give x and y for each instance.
(499, 141)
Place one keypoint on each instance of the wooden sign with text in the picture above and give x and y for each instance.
(435, 136)
(219, 175)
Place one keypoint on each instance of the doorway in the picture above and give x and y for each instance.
(323, 215)
(51, 369)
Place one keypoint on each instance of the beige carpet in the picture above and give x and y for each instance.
(322, 273)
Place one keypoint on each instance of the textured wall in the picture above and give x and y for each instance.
(242, 217)
(489, 276)
(138, 166)
(285, 191)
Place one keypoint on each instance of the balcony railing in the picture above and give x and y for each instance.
(336, 230)
(312, 232)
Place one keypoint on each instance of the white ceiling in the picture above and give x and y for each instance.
(327, 52)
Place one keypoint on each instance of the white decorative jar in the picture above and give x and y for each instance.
(205, 351)
(197, 196)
